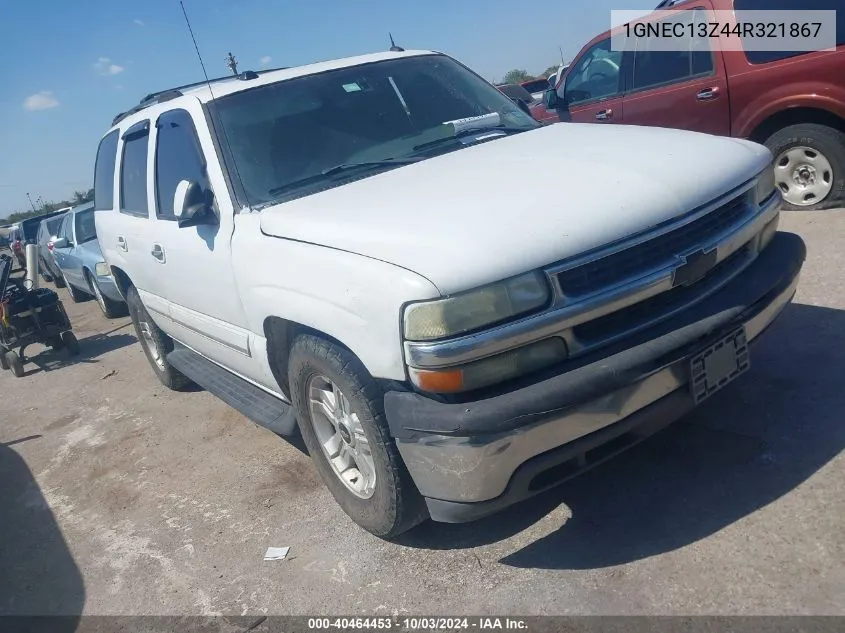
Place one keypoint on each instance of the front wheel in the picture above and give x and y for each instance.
(809, 166)
(341, 417)
(76, 295)
(155, 343)
(111, 309)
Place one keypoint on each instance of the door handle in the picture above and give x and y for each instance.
(121, 243)
(604, 115)
(158, 253)
(708, 94)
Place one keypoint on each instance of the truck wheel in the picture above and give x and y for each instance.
(341, 417)
(809, 166)
(155, 343)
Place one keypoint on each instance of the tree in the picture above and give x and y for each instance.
(78, 197)
(81, 197)
(516, 76)
(551, 70)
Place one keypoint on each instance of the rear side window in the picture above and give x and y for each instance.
(178, 157)
(766, 57)
(654, 68)
(104, 172)
(133, 170)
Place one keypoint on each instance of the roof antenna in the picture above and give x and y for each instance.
(393, 47)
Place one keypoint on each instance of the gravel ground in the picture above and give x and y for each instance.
(120, 497)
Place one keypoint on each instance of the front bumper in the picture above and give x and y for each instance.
(471, 459)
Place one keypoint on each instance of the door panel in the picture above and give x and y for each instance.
(685, 88)
(593, 88)
(196, 276)
(604, 111)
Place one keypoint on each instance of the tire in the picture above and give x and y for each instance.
(394, 505)
(76, 295)
(58, 279)
(70, 344)
(44, 271)
(4, 364)
(155, 343)
(14, 363)
(56, 343)
(111, 309)
(809, 166)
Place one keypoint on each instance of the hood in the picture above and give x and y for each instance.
(487, 212)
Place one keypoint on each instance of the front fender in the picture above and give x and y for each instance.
(354, 299)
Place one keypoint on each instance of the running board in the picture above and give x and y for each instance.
(259, 406)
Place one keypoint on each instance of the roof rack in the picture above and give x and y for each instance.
(171, 93)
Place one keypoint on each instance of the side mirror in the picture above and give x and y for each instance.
(190, 205)
(551, 100)
(60, 242)
(522, 106)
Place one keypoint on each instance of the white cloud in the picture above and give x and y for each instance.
(43, 100)
(138, 22)
(104, 66)
(266, 60)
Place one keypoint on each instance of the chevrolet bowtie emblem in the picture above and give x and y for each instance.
(694, 268)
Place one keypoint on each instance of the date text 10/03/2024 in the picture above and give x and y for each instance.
(417, 623)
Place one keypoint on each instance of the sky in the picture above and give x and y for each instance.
(68, 67)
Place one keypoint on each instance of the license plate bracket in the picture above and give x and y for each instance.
(719, 364)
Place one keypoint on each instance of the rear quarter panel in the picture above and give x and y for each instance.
(814, 80)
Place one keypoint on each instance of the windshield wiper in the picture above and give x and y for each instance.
(343, 167)
(500, 129)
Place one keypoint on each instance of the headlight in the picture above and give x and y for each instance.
(766, 185)
(475, 309)
(102, 269)
(493, 370)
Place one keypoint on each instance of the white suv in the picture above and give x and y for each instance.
(365, 247)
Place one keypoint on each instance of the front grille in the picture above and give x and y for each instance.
(662, 306)
(651, 254)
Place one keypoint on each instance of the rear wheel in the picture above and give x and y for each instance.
(155, 343)
(4, 364)
(57, 276)
(809, 166)
(339, 408)
(44, 270)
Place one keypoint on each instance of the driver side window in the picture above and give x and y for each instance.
(596, 76)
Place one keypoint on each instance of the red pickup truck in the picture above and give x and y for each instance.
(794, 103)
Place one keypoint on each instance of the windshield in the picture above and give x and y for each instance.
(85, 229)
(299, 129)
